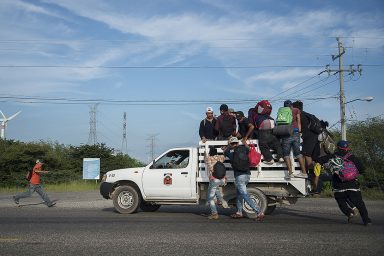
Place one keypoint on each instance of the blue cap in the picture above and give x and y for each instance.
(343, 144)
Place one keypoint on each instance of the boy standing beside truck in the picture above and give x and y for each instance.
(216, 174)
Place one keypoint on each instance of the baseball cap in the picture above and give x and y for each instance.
(209, 109)
(233, 140)
(239, 114)
(39, 161)
(231, 110)
(287, 103)
(343, 144)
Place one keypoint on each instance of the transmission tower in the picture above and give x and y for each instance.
(92, 139)
(124, 146)
(152, 140)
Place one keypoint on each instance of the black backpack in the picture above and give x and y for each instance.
(226, 125)
(240, 160)
(314, 123)
(219, 170)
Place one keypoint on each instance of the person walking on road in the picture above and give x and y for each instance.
(34, 185)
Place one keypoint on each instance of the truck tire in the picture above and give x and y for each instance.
(259, 198)
(126, 199)
(149, 207)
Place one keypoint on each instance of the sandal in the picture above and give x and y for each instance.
(237, 216)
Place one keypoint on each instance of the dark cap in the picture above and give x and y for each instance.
(287, 103)
(239, 114)
(224, 107)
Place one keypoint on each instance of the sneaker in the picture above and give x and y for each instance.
(213, 216)
(260, 216)
(224, 204)
(281, 160)
(355, 211)
(350, 217)
(52, 204)
(269, 162)
(368, 222)
(15, 200)
(289, 176)
(301, 175)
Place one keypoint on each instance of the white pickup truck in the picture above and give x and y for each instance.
(178, 176)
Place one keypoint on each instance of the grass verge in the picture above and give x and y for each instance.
(73, 186)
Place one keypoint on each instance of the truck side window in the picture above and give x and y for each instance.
(176, 159)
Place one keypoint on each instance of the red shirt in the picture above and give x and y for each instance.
(35, 180)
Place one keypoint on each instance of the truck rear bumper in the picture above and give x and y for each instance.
(105, 189)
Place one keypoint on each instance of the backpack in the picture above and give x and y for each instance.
(284, 116)
(226, 125)
(349, 171)
(240, 160)
(326, 142)
(28, 175)
(253, 156)
(344, 168)
(219, 170)
(314, 123)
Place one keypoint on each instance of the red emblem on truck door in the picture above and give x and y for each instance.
(167, 178)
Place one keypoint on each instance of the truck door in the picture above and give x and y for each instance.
(169, 177)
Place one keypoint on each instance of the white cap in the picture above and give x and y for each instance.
(209, 109)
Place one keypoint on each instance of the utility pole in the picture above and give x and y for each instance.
(342, 93)
(342, 98)
(124, 146)
(92, 138)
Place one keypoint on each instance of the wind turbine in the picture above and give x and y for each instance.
(3, 124)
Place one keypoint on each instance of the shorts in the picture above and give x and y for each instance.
(311, 147)
(291, 142)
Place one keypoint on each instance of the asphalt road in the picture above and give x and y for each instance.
(85, 224)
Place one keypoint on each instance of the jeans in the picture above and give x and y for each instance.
(291, 142)
(241, 182)
(213, 189)
(39, 190)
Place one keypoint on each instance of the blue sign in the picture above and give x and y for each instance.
(91, 168)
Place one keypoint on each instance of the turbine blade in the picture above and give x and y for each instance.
(3, 115)
(11, 117)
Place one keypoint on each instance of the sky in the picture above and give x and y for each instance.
(163, 62)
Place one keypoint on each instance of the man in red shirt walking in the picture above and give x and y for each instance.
(34, 185)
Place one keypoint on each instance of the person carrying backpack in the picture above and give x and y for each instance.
(238, 155)
(345, 167)
(310, 146)
(226, 124)
(34, 185)
(216, 173)
(267, 140)
(288, 115)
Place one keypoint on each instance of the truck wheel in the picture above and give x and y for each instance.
(259, 198)
(126, 199)
(149, 207)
